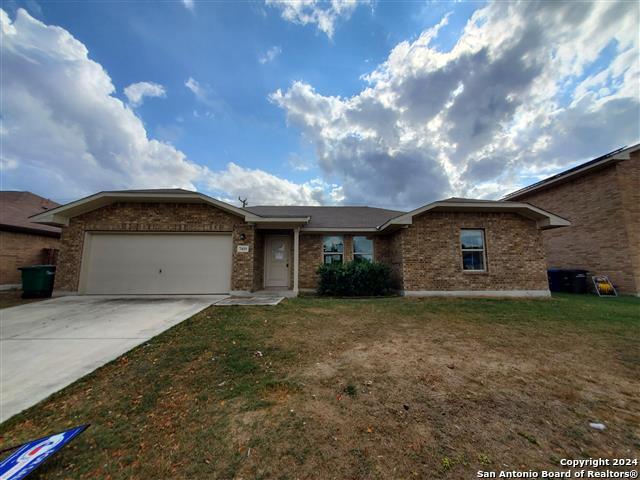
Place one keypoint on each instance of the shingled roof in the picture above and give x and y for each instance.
(330, 217)
(17, 207)
(583, 169)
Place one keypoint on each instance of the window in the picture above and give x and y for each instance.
(472, 245)
(363, 249)
(333, 248)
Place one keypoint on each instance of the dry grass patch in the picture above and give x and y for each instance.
(13, 298)
(390, 388)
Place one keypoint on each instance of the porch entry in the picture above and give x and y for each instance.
(277, 261)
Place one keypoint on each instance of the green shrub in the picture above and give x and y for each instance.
(359, 278)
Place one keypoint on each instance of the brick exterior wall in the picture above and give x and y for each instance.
(310, 259)
(388, 249)
(604, 209)
(431, 258)
(155, 217)
(258, 261)
(423, 256)
(20, 250)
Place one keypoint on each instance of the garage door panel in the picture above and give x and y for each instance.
(158, 264)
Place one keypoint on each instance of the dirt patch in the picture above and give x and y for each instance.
(13, 298)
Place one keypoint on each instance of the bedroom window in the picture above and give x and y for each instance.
(333, 249)
(473, 252)
(363, 249)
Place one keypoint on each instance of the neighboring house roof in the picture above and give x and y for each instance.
(310, 218)
(338, 218)
(603, 161)
(17, 207)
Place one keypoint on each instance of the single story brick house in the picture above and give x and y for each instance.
(601, 199)
(22, 241)
(181, 242)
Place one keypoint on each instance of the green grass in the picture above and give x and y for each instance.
(315, 387)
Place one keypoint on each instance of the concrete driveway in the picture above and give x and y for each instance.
(47, 345)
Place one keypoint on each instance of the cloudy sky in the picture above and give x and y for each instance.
(379, 103)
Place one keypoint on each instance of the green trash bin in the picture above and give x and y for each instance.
(37, 281)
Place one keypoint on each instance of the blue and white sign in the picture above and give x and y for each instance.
(30, 456)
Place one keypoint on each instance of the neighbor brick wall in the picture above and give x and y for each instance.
(432, 259)
(629, 181)
(20, 250)
(154, 217)
(604, 209)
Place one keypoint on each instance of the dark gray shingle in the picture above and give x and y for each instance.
(330, 217)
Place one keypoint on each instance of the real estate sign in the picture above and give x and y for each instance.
(30, 455)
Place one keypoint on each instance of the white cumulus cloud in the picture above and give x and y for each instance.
(64, 134)
(136, 92)
(509, 102)
(324, 14)
(264, 188)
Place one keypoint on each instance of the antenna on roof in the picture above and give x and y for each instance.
(243, 201)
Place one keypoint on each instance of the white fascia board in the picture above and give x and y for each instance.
(281, 220)
(339, 230)
(548, 220)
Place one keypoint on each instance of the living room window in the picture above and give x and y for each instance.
(333, 248)
(362, 249)
(473, 251)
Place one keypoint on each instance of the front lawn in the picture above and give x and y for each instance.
(389, 388)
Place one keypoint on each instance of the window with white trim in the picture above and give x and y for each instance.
(473, 250)
(362, 248)
(333, 248)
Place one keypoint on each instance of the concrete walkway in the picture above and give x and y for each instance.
(45, 346)
(247, 301)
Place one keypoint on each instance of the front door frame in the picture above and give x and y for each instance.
(267, 253)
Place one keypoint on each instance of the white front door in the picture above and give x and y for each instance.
(276, 261)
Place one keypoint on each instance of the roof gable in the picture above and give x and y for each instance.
(543, 219)
(62, 214)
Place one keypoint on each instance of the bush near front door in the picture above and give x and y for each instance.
(358, 278)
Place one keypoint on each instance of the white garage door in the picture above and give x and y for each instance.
(156, 263)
